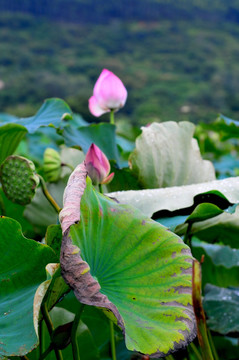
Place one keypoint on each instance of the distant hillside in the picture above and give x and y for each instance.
(99, 11)
(173, 69)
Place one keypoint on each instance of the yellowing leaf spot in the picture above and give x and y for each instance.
(75, 251)
(85, 271)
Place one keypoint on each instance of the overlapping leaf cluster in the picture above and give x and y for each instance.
(158, 170)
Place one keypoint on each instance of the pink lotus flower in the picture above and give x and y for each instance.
(109, 94)
(98, 166)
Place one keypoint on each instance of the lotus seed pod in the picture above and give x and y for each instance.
(19, 180)
(52, 165)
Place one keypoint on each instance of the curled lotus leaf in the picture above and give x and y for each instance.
(150, 201)
(113, 257)
(167, 155)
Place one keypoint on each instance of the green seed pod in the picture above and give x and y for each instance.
(52, 165)
(19, 179)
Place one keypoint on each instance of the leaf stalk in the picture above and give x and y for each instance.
(199, 313)
(74, 343)
(112, 118)
(48, 195)
(112, 340)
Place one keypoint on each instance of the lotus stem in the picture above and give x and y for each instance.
(100, 188)
(199, 313)
(216, 357)
(187, 236)
(112, 118)
(195, 350)
(41, 339)
(47, 318)
(74, 343)
(48, 350)
(112, 340)
(48, 195)
(50, 329)
(2, 206)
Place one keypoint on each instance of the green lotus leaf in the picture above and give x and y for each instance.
(228, 128)
(10, 137)
(53, 238)
(222, 228)
(220, 265)
(15, 211)
(222, 308)
(227, 347)
(167, 155)
(22, 270)
(38, 142)
(50, 113)
(103, 135)
(122, 180)
(202, 212)
(172, 222)
(114, 257)
(226, 165)
(7, 118)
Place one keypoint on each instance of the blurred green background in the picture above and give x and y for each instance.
(177, 59)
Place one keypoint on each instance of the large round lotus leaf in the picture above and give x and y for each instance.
(116, 258)
(167, 155)
(22, 270)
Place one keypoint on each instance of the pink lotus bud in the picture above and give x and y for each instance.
(109, 94)
(98, 166)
